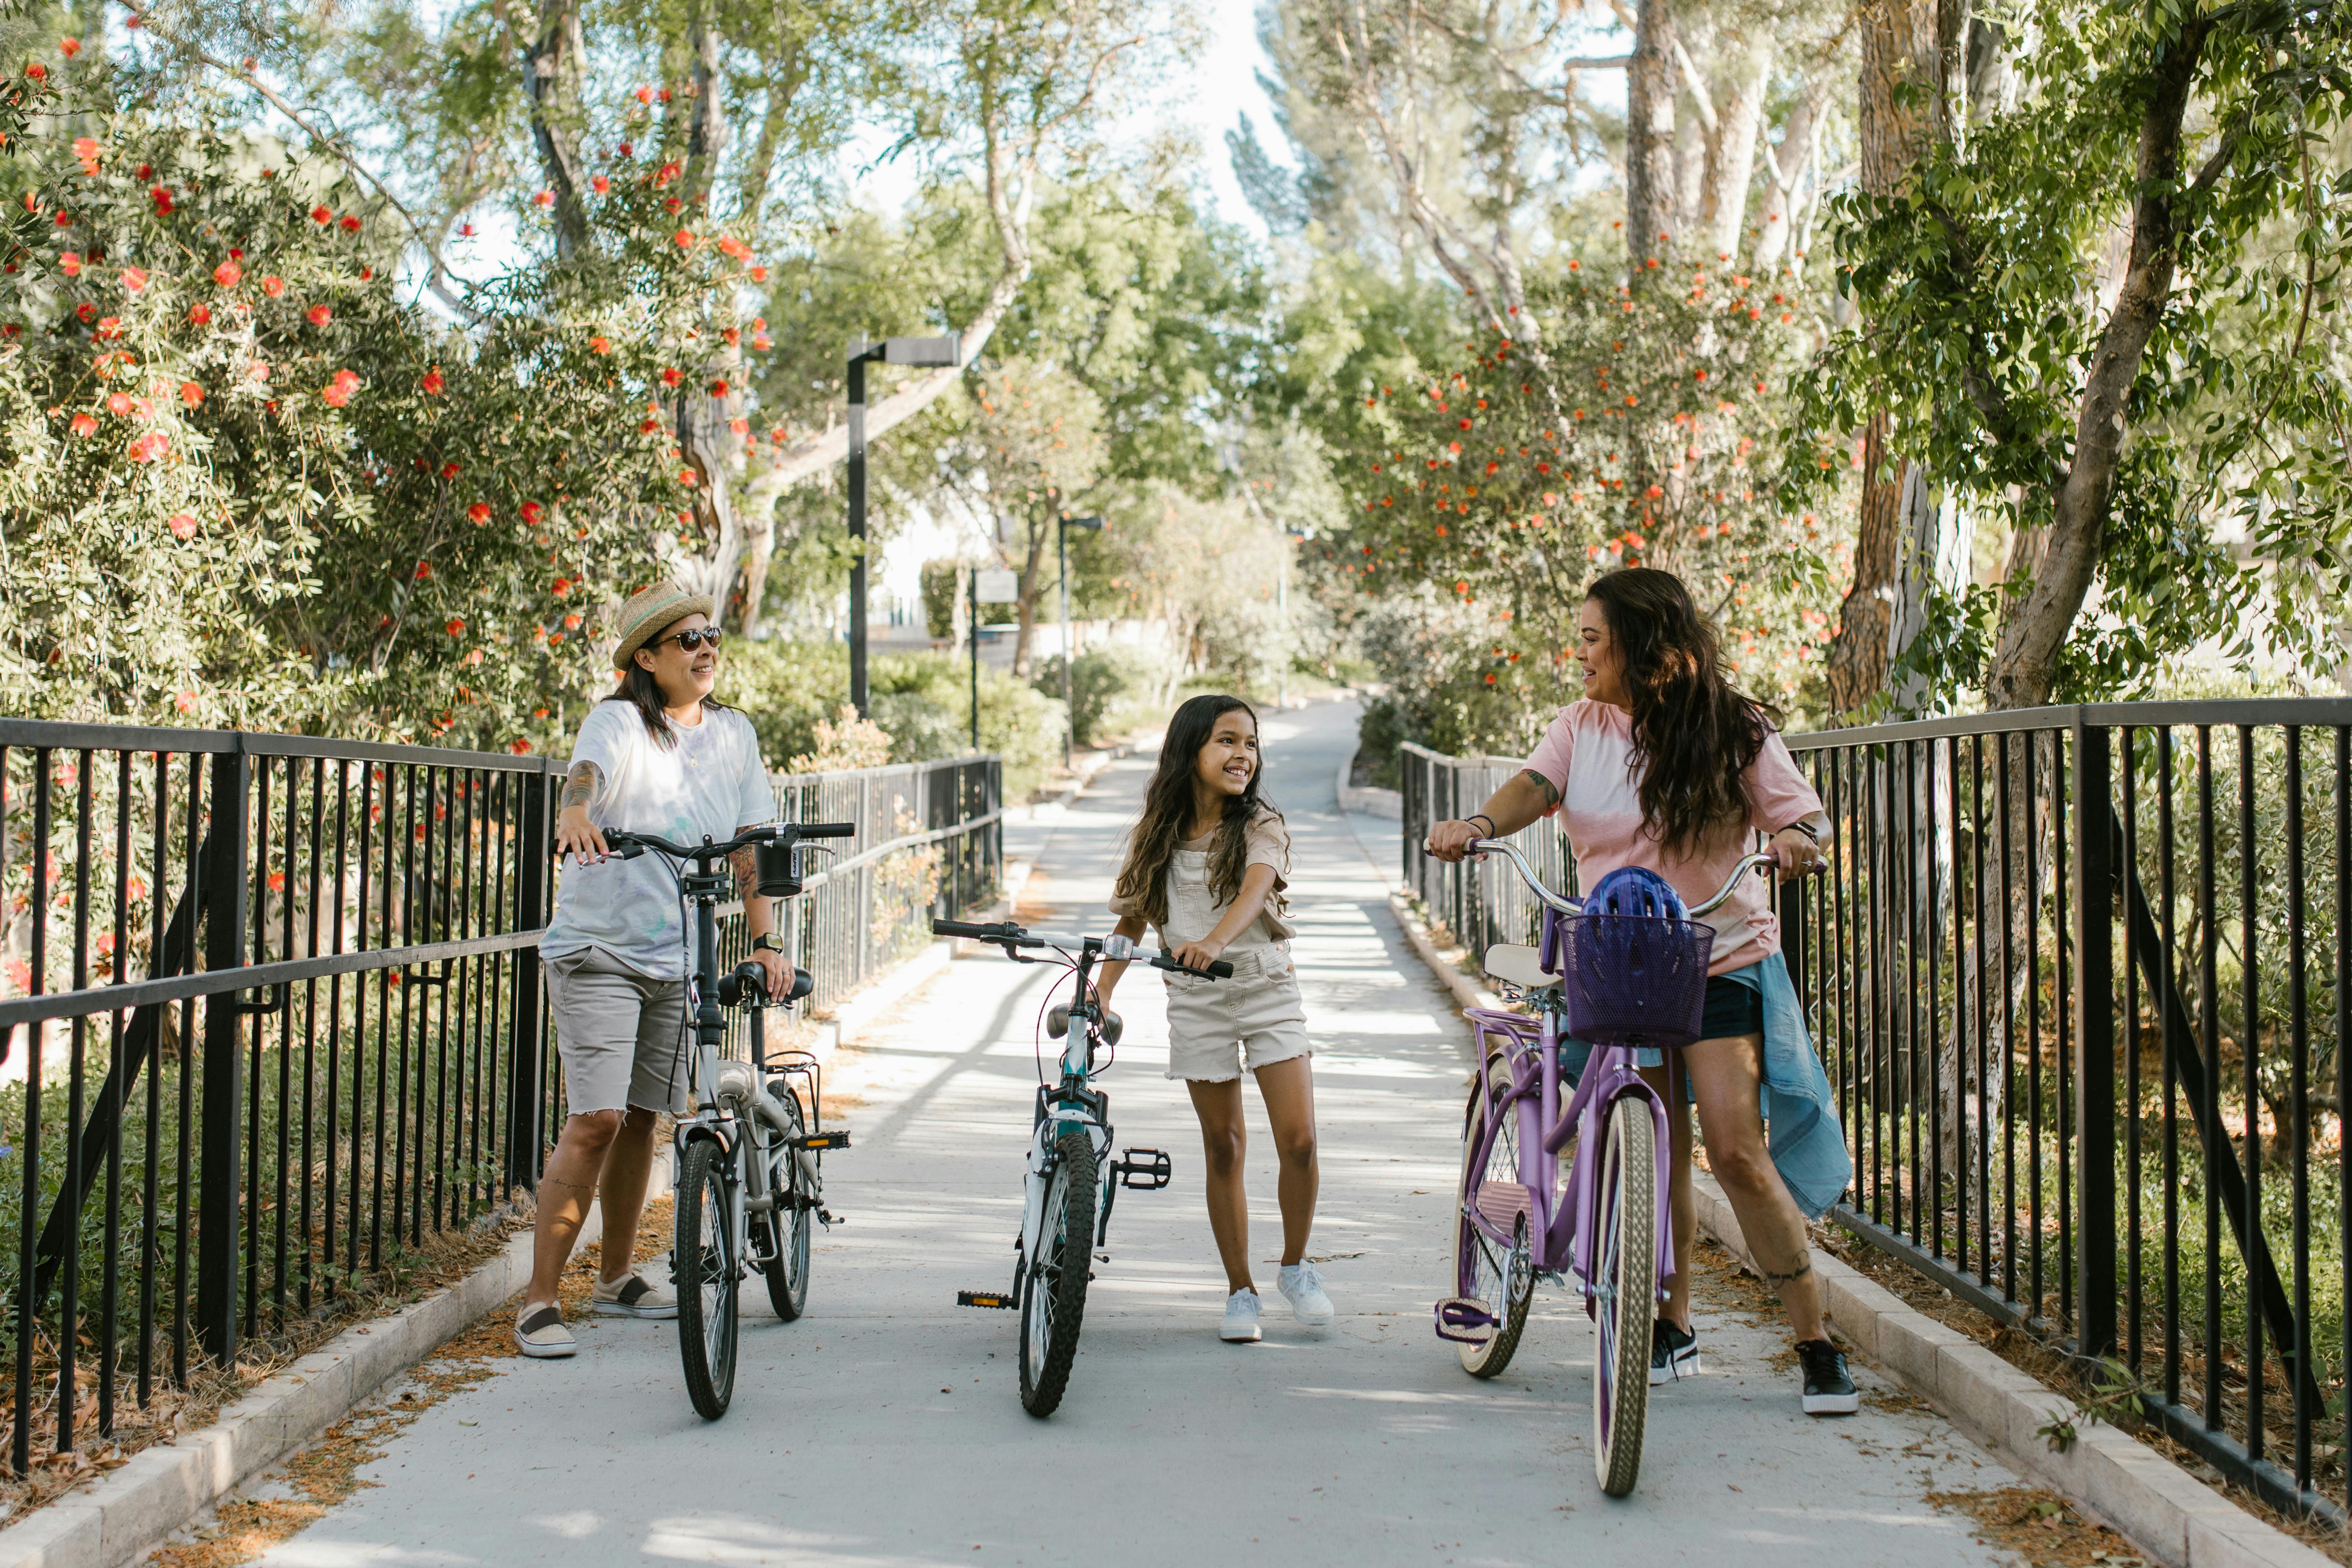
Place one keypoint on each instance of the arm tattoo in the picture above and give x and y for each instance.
(1552, 795)
(580, 785)
(746, 862)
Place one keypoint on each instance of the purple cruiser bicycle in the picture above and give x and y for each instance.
(1624, 969)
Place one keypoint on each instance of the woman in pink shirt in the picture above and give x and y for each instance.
(1663, 765)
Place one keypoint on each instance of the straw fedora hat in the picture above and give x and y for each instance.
(648, 611)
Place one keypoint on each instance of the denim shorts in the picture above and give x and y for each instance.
(1732, 1009)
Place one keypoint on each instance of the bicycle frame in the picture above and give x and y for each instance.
(1560, 1221)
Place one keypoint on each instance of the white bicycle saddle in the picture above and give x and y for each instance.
(1519, 966)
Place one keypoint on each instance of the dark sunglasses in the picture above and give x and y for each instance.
(692, 638)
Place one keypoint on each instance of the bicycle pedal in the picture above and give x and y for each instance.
(1464, 1321)
(826, 1218)
(996, 1298)
(837, 1139)
(1146, 1169)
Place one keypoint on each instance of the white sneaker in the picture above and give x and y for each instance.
(1241, 1317)
(539, 1332)
(635, 1296)
(1302, 1287)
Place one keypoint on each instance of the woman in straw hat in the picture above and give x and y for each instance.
(658, 756)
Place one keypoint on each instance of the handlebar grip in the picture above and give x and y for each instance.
(824, 829)
(974, 929)
(1217, 970)
(1222, 970)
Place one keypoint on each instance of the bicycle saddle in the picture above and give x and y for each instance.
(1638, 891)
(1519, 966)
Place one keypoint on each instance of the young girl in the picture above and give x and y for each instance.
(1205, 866)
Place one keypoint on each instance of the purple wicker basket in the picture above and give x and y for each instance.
(1631, 980)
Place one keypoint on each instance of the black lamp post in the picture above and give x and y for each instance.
(1069, 653)
(944, 350)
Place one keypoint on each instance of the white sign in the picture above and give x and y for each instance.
(998, 585)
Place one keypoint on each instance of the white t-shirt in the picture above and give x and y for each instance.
(709, 783)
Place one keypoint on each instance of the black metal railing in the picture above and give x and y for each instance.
(2081, 978)
(272, 1018)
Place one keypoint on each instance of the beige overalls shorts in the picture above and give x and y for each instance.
(1217, 1029)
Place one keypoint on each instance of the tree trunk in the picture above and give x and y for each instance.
(1903, 78)
(1650, 144)
(1786, 168)
(1733, 163)
(552, 76)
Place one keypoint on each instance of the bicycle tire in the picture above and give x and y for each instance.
(1054, 1294)
(788, 1229)
(1625, 1267)
(1475, 1271)
(706, 1257)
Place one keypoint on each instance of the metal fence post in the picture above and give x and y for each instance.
(2094, 1023)
(524, 1102)
(219, 1197)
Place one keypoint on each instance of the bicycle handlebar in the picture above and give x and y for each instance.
(1518, 858)
(629, 845)
(1008, 936)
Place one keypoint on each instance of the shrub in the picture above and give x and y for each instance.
(942, 581)
(1112, 690)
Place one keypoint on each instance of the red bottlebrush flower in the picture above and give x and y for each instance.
(317, 315)
(38, 71)
(532, 511)
(432, 384)
(1464, 423)
(456, 627)
(338, 391)
(1543, 467)
(424, 570)
(544, 199)
(1654, 492)
(1702, 375)
(70, 47)
(518, 746)
(626, 151)
(666, 173)
(560, 587)
(760, 343)
(571, 622)
(718, 388)
(478, 513)
(182, 526)
(151, 447)
(665, 95)
(1490, 677)
(645, 95)
(163, 200)
(111, 327)
(351, 224)
(731, 334)
(64, 220)
(683, 239)
(273, 286)
(85, 311)
(649, 426)
(10, 330)
(83, 425)
(366, 273)
(118, 404)
(600, 184)
(1454, 447)
(228, 274)
(760, 275)
(1631, 400)
(1441, 530)
(322, 216)
(686, 478)
(600, 345)
(185, 701)
(202, 315)
(69, 263)
(672, 376)
(135, 279)
(1492, 468)
(448, 471)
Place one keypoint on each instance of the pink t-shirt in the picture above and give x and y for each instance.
(1588, 756)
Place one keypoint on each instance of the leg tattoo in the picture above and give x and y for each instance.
(1780, 1281)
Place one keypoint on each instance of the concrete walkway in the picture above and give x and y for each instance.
(885, 1427)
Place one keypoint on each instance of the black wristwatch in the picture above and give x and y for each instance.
(767, 943)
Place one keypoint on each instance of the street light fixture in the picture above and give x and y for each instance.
(1069, 652)
(946, 350)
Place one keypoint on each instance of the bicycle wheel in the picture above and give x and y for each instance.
(707, 1277)
(1501, 1279)
(1054, 1296)
(784, 1235)
(1625, 1283)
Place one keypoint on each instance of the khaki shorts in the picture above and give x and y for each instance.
(619, 1034)
(1219, 1028)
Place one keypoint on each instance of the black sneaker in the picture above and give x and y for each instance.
(1674, 1353)
(1828, 1390)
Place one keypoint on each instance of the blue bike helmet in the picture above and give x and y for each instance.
(1638, 891)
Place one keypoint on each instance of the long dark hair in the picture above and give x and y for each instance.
(1168, 811)
(1693, 735)
(640, 690)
